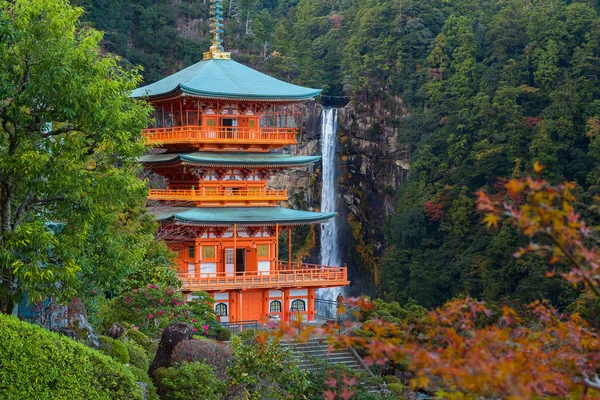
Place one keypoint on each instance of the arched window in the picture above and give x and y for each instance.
(275, 306)
(221, 309)
(298, 305)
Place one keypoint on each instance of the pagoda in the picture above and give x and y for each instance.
(215, 126)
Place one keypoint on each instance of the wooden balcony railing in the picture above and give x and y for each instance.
(226, 195)
(302, 276)
(220, 134)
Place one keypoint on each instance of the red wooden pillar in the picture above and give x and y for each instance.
(197, 258)
(311, 304)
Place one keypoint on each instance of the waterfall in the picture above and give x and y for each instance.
(330, 254)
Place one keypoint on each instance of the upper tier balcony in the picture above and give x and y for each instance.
(287, 275)
(211, 196)
(194, 129)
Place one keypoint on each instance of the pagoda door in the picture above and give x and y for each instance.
(229, 266)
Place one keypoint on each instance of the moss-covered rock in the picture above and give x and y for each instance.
(114, 348)
(396, 389)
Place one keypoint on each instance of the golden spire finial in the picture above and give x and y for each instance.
(216, 22)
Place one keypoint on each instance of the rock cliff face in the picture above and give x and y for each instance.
(370, 167)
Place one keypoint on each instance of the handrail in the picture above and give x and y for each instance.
(321, 349)
(204, 193)
(361, 361)
(212, 134)
(342, 318)
(298, 276)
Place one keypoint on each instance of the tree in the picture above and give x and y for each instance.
(71, 206)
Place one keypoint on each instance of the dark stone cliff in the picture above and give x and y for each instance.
(370, 167)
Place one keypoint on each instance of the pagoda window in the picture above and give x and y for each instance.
(211, 122)
(262, 250)
(221, 309)
(229, 122)
(275, 306)
(208, 252)
(251, 123)
(191, 252)
(298, 305)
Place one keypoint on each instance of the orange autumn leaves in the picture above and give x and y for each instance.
(468, 352)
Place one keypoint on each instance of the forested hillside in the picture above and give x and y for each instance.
(491, 86)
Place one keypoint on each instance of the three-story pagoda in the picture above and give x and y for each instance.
(216, 124)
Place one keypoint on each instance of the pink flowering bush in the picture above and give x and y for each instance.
(150, 309)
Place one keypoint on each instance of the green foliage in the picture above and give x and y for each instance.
(51, 366)
(141, 339)
(267, 371)
(137, 355)
(141, 375)
(396, 389)
(69, 139)
(248, 335)
(192, 381)
(391, 379)
(223, 335)
(115, 349)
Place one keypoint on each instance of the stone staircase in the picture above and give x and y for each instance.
(313, 350)
(305, 353)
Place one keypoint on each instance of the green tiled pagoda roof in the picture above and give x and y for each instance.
(225, 79)
(208, 159)
(245, 216)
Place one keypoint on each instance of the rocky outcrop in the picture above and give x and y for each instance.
(78, 322)
(371, 166)
(174, 333)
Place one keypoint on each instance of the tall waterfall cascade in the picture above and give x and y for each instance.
(330, 252)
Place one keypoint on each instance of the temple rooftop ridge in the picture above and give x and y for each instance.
(225, 79)
(234, 159)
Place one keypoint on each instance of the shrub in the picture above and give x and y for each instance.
(148, 344)
(223, 335)
(137, 355)
(248, 335)
(141, 375)
(114, 348)
(192, 381)
(158, 376)
(151, 308)
(391, 379)
(268, 371)
(51, 366)
(362, 333)
(210, 352)
(397, 389)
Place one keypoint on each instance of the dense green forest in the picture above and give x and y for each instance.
(491, 86)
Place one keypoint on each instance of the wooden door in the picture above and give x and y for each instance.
(251, 306)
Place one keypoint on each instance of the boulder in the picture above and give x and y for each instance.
(173, 334)
(145, 390)
(77, 318)
(115, 331)
(68, 332)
